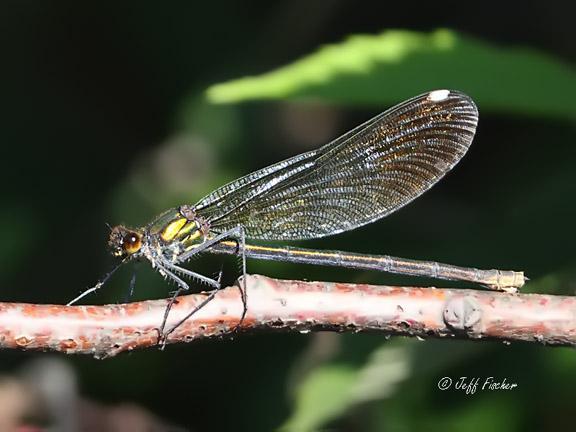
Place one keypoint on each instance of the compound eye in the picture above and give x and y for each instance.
(131, 242)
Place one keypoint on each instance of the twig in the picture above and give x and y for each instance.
(294, 306)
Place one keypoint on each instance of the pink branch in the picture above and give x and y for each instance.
(293, 306)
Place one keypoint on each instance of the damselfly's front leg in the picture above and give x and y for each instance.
(96, 287)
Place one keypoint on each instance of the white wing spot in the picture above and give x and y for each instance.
(438, 95)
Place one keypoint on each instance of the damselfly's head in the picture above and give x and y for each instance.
(124, 242)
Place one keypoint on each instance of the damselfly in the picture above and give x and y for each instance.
(364, 175)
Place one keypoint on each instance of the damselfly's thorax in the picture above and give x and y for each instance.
(180, 225)
(171, 233)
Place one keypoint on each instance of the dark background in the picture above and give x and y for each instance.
(103, 120)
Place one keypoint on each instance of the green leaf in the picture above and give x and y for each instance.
(383, 69)
(331, 390)
(323, 396)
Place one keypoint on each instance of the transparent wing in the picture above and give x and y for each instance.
(364, 175)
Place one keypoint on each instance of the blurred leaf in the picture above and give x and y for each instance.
(330, 390)
(322, 397)
(379, 378)
(386, 68)
(217, 124)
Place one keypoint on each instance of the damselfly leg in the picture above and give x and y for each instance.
(236, 234)
(98, 285)
(131, 287)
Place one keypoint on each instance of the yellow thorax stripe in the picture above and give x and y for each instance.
(177, 227)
